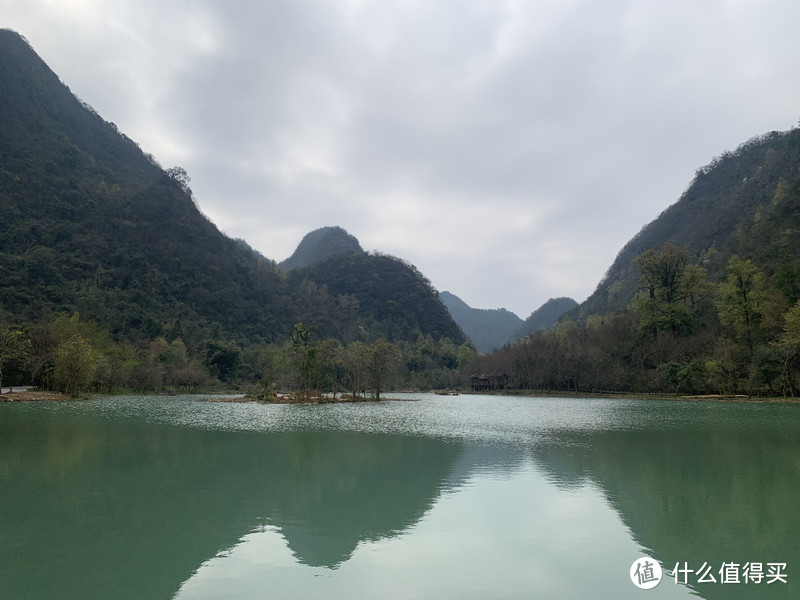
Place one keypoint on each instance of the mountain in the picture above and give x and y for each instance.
(723, 200)
(493, 328)
(384, 293)
(704, 300)
(487, 329)
(321, 244)
(544, 317)
(91, 223)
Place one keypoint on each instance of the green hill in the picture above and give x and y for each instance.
(544, 317)
(491, 329)
(487, 329)
(386, 295)
(705, 299)
(93, 224)
(320, 244)
(722, 200)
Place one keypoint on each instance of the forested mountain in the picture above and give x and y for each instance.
(705, 299)
(373, 291)
(724, 197)
(490, 329)
(92, 224)
(544, 317)
(320, 244)
(487, 329)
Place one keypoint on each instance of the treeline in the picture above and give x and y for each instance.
(682, 333)
(70, 354)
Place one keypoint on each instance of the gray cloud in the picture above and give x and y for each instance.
(508, 149)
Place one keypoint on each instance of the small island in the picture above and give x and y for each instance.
(293, 399)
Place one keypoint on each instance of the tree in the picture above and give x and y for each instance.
(741, 301)
(274, 364)
(446, 353)
(791, 328)
(787, 279)
(75, 364)
(115, 367)
(666, 297)
(181, 177)
(304, 358)
(676, 374)
(331, 366)
(384, 360)
(168, 360)
(788, 349)
(222, 359)
(357, 363)
(14, 350)
(465, 355)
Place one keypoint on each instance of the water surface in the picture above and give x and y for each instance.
(446, 497)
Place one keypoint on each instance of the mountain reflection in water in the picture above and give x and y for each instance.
(718, 485)
(108, 502)
(123, 498)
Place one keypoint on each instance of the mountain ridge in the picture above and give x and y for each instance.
(545, 316)
(93, 224)
(486, 328)
(492, 328)
(704, 300)
(723, 197)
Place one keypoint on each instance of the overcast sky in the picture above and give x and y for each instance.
(508, 149)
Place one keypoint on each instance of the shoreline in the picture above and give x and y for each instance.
(312, 402)
(644, 396)
(42, 396)
(35, 396)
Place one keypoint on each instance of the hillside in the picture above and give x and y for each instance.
(704, 300)
(486, 329)
(491, 329)
(93, 224)
(544, 317)
(321, 244)
(724, 197)
(373, 291)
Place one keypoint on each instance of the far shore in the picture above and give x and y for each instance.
(644, 396)
(288, 399)
(34, 395)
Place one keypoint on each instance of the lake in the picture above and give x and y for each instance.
(445, 497)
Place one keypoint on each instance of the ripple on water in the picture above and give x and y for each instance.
(490, 419)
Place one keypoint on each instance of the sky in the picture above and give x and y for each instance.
(507, 148)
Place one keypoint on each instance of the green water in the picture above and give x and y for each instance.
(445, 497)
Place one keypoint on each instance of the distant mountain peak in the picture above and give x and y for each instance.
(487, 329)
(545, 316)
(490, 329)
(320, 244)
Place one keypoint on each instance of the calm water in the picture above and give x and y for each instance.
(448, 497)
